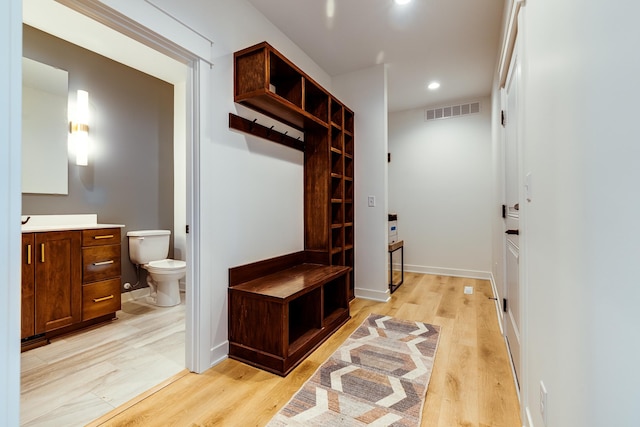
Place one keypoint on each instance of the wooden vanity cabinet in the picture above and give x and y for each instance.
(51, 281)
(70, 280)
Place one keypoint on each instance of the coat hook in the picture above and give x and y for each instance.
(252, 123)
(269, 131)
(282, 136)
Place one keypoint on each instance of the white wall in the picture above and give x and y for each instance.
(10, 164)
(251, 190)
(440, 187)
(365, 92)
(580, 140)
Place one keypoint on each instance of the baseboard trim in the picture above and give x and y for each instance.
(135, 294)
(373, 295)
(529, 418)
(454, 272)
(499, 312)
(219, 353)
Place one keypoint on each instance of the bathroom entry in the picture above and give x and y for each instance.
(183, 129)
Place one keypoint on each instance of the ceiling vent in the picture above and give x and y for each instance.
(452, 111)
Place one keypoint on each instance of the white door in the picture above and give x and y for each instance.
(512, 317)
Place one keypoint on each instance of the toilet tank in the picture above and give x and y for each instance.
(148, 245)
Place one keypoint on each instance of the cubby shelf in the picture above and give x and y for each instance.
(268, 82)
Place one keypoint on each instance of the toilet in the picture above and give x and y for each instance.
(149, 249)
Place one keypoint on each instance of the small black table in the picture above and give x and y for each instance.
(392, 248)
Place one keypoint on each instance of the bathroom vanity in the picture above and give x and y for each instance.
(71, 267)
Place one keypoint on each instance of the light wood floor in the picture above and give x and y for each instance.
(78, 378)
(471, 384)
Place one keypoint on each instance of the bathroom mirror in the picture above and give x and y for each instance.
(44, 128)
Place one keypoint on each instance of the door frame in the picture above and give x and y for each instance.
(197, 330)
(522, 378)
(510, 47)
(10, 235)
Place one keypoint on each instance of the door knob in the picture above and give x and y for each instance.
(516, 206)
(516, 232)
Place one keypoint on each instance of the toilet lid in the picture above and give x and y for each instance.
(167, 264)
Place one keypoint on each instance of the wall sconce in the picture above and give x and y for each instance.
(79, 128)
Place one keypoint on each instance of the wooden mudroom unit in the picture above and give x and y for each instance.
(294, 302)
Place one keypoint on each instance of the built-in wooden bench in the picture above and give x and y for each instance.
(283, 308)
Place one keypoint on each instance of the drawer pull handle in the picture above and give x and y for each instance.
(103, 298)
(106, 236)
(28, 254)
(97, 264)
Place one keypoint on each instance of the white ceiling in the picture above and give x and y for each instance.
(455, 42)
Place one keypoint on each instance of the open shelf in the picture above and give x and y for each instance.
(348, 167)
(348, 212)
(337, 258)
(336, 163)
(337, 239)
(336, 113)
(348, 235)
(316, 101)
(304, 315)
(336, 188)
(336, 139)
(335, 298)
(266, 81)
(285, 81)
(348, 190)
(336, 213)
(348, 121)
(348, 144)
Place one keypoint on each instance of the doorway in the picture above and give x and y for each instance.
(132, 41)
(188, 151)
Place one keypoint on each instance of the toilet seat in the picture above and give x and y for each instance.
(165, 266)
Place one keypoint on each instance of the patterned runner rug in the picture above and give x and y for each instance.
(377, 377)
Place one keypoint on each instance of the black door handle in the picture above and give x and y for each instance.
(516, 232)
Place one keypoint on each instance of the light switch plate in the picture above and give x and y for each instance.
(371, 201)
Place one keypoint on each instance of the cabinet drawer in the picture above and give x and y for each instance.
(100, 262)
(101, 236)
(100, 298)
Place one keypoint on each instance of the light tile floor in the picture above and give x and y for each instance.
(78, 378)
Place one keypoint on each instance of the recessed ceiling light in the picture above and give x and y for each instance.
(402, 1)
(433, 85)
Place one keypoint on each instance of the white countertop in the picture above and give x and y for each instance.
(38, 223)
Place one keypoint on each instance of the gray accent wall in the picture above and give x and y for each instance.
(129, 179)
